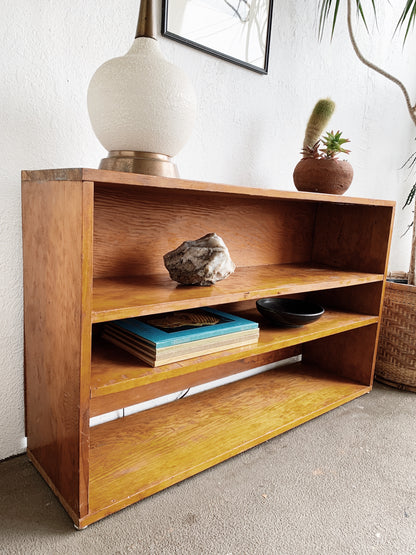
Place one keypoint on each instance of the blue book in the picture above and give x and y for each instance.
(176, 328)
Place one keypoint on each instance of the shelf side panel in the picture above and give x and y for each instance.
(57, 246)
(351, 354)
(361, 299)
(353, 237)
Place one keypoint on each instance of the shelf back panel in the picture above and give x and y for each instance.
(134, 228)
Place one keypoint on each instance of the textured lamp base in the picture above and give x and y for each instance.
(133, 161)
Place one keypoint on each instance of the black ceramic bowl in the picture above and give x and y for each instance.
(289, 312)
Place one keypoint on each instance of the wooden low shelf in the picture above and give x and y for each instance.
(93, 245)
(176, 440)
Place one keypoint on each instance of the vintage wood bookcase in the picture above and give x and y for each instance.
(93, 243)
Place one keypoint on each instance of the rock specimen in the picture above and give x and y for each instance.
(200, 262)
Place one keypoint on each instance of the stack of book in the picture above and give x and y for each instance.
(171, 337)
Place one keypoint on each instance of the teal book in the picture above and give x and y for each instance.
(176, 328)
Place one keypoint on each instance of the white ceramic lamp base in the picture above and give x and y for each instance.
(141, 108)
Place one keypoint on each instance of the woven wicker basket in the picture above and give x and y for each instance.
(396, 356)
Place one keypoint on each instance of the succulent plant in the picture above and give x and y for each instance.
(312, 151)
(333, 145)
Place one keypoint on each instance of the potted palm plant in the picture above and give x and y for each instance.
(396, 361)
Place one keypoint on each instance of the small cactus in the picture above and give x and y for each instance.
(320, 116)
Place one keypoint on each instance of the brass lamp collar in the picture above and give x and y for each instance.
(148, 163)
(146, 23)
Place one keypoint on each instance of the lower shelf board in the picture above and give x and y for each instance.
(136, 456)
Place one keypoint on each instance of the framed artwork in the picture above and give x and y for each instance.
(235, 30)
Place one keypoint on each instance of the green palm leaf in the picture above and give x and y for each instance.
(409, 15)
(325, 8)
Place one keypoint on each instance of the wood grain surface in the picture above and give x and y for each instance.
(115, 298)
(191, 377)
(57, 239)
(164, 445)
(113, 370)
(356, 237)
(134, 228)
(93, 244)
(363, 299)
(157, 182)
(351, 354)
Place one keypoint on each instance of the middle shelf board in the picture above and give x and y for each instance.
(114, 370)
(115, 298)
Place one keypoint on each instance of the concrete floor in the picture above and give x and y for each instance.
(344, 483)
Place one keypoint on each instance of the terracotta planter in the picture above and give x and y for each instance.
(324, 175)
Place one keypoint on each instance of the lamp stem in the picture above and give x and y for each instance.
(146, 23)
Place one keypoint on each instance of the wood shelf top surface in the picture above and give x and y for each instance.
(187, 436)
(125, 178)
(126, 297)
(114, 370)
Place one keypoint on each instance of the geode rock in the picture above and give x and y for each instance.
(200, 262)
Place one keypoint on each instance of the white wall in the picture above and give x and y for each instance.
(248, 132)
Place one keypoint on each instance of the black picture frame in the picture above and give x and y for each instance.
(263, 68)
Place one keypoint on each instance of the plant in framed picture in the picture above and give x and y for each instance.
(235, 30)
